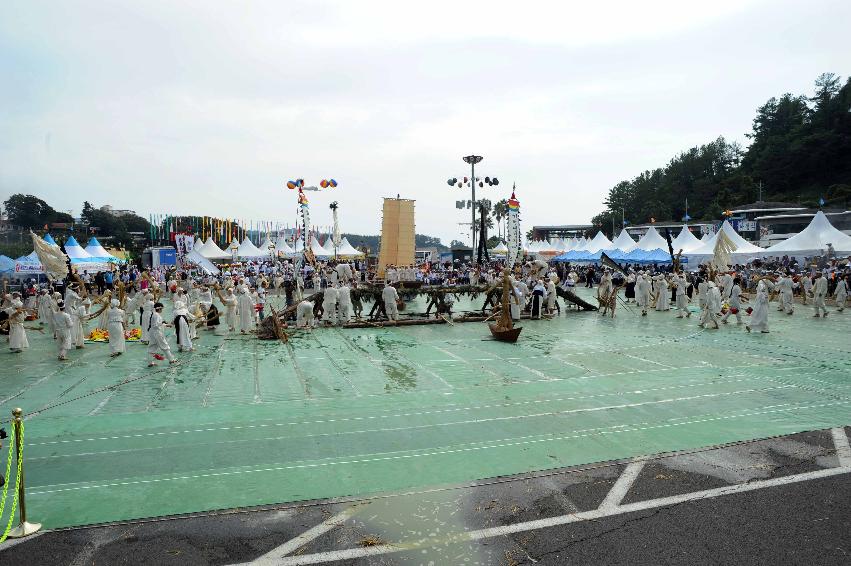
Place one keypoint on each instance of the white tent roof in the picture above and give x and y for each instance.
(211, 251)
(685, 241)
(283, 247)
(328, 246)
(624, 242)
(600, 242)
(559, 245)
(205, 264)
(97, 251)
(346, 249)
(317, 248)
(812, 240)
(581, 244)
(545, 247)
(500, 248)
(652, 241)
(76, 252)
(706, 237)
(247, 250)
(266, 243)
(743, 247)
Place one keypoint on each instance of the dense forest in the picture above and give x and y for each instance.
(799, 152)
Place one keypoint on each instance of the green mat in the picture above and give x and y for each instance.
(336, 412)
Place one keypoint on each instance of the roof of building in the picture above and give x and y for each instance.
(766, 206)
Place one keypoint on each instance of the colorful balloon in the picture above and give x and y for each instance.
(323, 183)
(332, 182)
(290, 184)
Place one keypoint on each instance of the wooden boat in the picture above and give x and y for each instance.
(505, 334)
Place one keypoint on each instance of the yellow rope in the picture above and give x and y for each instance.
(17, 483)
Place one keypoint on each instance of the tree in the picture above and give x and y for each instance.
(457, 244)
(500, 212)
(29, 211)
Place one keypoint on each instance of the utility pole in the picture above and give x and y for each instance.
(472, 160)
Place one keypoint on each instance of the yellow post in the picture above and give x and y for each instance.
(24, 528)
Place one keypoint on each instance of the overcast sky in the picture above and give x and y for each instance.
(209, 107)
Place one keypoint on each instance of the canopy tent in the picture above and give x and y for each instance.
(600, 242)
(637, 255)
(267, 243)
(348, 250)
(318, 250)
(284, 249)
(744, 249)
(211, 251)
(7, 264)
(94, 249)
(49, 239)
(82, 260)
(500, 248)
(29, 264)
(812, 240)
(194, 257)
(685, 241)
(624, 242)
(328, 246)
(652, 241)
(546, 248)
(706, 237)
(247, 250)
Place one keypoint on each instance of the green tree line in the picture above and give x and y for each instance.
(800, 152)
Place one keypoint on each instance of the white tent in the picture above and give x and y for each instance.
(211, 251)
(283, 247)
(600, 242)
(544, 247)
(581, 244)
(328, 246)
(500, 248)
(266, 244)
(812, 240)
(624, 242)
(97, 251)
(202, 262)
(247, 250)
(317, 248)
(571, 244)
(706, 237)
(76, 252)
(685, 241)
(652, 241)
(744, 249)
(348, 250)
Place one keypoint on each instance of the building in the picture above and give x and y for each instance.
(744, 218)
(563, 231)
(117, 211)
(697, 228)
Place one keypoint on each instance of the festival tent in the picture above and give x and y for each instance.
(7, 264)
(49, 239)
(202, 262)
(744, 249)
(623, 242)
(211, 251)
(545, 248)
(247, 250)
(283, 247)
(97, 252)
(706, 237)
(267, 243)
(317, 248)
(348, 250)
(685, 241)
(83, 260)
(500, 248)
(328, 246)
(29, 264)
(600, 242)
(652, 241)
(812, 240)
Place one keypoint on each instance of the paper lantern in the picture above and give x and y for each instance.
(291, 184)
(465, 180)
(459, 184)
(495, 181)
(449, 182)
(333, 183)
(481, 184)
(323, 183)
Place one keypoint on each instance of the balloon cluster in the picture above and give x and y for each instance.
(325, 183)
(298, 183)
(466, 182)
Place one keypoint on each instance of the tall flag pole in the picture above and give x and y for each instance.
(514, 241)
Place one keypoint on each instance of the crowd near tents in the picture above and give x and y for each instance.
(92, 258)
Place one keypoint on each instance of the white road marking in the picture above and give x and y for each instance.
(843, 449)
(600, 513)
(277, 553)
(621, 487)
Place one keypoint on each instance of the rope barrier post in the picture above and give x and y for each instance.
(24, 528)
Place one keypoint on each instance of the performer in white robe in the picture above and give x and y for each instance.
(205, 298)
(806, 288)
(712, 306)
(819, 295)
(726, 284)
(304, 314)
(787, 299)
(182, 327)
(682, 297)
(78, 315)
(45, 308)
(389, 295)
(246, 309)
(841, 293)
(62, 326)
(663, 297)
(734, 303)
(230, 303)
(329, 303)
(158, 346)
(552, 295)
(115, 326)
(538, 293)
(759, 314)
(344, 301)
(642, 292)
(17, 335)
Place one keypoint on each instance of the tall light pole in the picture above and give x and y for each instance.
(472, 160)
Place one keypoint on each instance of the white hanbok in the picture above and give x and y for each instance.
(17, 335)
(759, 314)
(115, 326)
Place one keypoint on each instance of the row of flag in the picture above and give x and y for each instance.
(164, 227)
